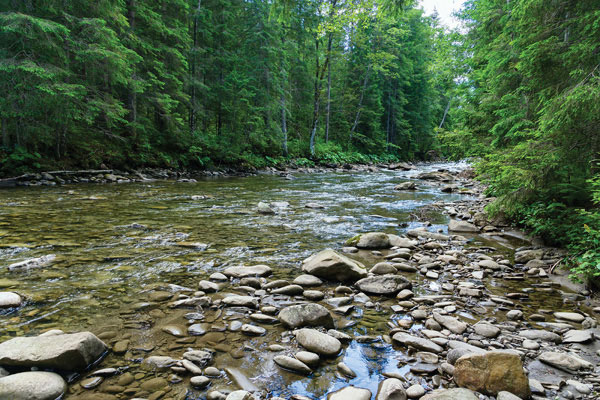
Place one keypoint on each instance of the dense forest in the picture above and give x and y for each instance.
(529, 106)
(202, 84)
(183, 83)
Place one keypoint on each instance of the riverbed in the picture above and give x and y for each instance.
(120, 247)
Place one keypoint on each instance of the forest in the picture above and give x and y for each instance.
(213, 83)
(195, 84)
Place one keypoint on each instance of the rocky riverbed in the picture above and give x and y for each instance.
(438, 302)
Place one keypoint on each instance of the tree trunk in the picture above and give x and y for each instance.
(389, 116)
(328, 92)
(284, 126)
(360, 101)
(132, 95)
(319, 74)
(445, 113)
(5, 138)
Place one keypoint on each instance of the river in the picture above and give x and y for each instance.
(116, 244)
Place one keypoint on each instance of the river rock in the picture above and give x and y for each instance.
(491, 373)
(292, 364)
(330, 265)
(302, 315)
(309, 358)
(507, 396)
(462, 226)
(374, 241)
(290, 290)
(199, 357)
(240, 395)
(575, 336)
(241, 380)
(67, 352)
(264, 208)
(401, 242)
(10, 299)
(415, 391)
(244, 271)
(308, 280)
(253, 330)
(569, 316)
(35, 385)
(208, 286)
(158, 362)
(391, 389)
(524, 256)
(453, 324)
(199, 382)
(417, 342)
(318, 342)
(350, 393)
(32, 263)
(486, 330)
(406, 186)
(538, 334)
(567, 362)
(451, 394)
(241, 301)
(383, 284)
(383, 268)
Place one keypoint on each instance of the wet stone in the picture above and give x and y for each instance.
(199, 382)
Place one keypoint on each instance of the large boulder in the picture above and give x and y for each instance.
(69, 352)
(245, 272)
(34, 385)
(318, 342)
(302, 315)
(462, 226)
(451, 394)
(386, 285)
(330, 265)
(373, 241)
(492, 372)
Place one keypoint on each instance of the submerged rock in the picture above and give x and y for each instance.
(303, 315)
(32, 263)
(330, 265)
(69, 352)
(491, 373)
(34, 385)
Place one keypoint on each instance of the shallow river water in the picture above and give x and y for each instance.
(117, 244)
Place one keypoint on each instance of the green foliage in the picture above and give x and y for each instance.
(530, 105)
(200, 84)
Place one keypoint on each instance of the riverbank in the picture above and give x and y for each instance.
(51, 178)
(428, 307)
